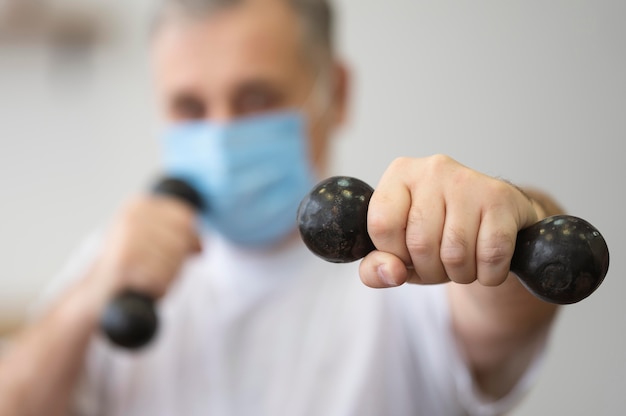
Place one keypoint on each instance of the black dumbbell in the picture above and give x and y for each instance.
(561, 259)
(130, 320)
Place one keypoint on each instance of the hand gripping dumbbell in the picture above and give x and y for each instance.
(561, 259)
(130, 320)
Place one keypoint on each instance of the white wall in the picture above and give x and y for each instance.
(533, 91)
(75, 138)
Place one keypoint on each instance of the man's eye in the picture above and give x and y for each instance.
(189, 108)
(254, 102)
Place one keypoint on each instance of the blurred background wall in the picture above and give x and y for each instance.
(532, 91)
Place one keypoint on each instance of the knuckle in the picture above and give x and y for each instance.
(419, 246)
(453, 256)
(439, 165)
(438, 161)
(493, 255)
(495, 250)
(502, 192)
(465, 176)
(501, 187)
(379, 226)
(456, 257)
(401, 163)
(454, 253)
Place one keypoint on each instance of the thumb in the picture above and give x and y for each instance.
(380, 270)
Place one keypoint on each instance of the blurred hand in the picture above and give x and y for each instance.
(434, 220)
(148, 241)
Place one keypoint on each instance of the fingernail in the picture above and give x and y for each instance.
(383, 274)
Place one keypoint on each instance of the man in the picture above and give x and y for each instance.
(253, 324)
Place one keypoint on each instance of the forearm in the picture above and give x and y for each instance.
(145, 247)
(40, 368)
(501, 329)
(499, 332)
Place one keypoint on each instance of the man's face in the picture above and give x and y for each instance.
(241, 61)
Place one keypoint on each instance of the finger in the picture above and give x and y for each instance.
(380, 269)
(458, 243)
(387, 217)
(145, 278)
(424, 233)
(494, 246)
(148, 270)
(183, 221)
(153, 253)
(528, 211)
(196, 244)
(178, 213)
(176, 223)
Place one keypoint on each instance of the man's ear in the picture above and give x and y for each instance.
(341, 93)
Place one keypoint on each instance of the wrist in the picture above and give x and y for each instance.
(82, 305)
(78, 311)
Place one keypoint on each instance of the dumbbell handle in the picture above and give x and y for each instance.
(130, 319)
(561, 259)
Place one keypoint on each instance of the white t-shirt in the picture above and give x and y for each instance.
(284, 333)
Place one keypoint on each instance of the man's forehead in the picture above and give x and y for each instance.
(274, 18)
(254, 35)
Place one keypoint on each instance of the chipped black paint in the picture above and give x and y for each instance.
(562, 259)
(332, 219)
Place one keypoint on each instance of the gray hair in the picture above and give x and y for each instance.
(316, 18)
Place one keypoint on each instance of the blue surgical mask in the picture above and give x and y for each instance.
(251, 173)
